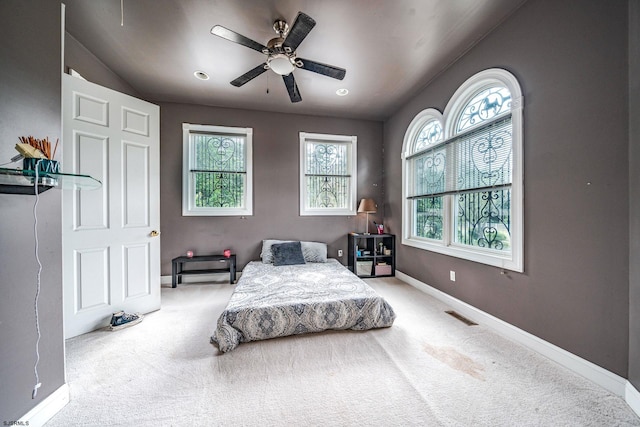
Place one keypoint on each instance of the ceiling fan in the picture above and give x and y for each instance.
(281, 53)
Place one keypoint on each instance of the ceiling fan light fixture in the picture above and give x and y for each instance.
(281, 64)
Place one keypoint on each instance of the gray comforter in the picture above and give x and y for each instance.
(271, 302)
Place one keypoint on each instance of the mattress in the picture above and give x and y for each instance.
(271, 302)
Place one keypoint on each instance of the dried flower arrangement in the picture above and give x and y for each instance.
(31, 147)
(37, 154)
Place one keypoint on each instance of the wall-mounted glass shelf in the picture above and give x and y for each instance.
(21, 181)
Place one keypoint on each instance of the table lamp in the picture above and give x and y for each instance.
(367, 206)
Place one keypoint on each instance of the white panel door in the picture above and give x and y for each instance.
(110, 242)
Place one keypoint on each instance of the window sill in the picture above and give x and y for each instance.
(217, 212)
(478, 255)
(327, 212)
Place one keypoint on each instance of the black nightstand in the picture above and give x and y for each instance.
(177, 267)
(372, 255)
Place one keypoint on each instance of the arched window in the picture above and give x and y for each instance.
(462, 171)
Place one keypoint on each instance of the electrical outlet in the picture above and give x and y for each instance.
(452, 275)
(339, 252)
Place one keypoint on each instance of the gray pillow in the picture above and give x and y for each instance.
(289, 253)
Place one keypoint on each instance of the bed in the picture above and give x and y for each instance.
(273, 300)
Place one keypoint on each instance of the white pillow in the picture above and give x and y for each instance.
(314, 251)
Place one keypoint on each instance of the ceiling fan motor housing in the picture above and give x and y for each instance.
(275, 45)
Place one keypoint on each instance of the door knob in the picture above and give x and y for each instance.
(154, 233)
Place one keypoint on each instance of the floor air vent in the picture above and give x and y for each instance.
(461, 318)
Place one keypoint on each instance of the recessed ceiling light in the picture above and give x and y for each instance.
(342, 92)
(201, 75)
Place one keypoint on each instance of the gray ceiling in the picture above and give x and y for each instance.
(389, 48)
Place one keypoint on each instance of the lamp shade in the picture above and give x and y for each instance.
(367, 205)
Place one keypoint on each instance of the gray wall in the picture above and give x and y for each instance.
(30, 105)
(79, 58)
(571, 60)
(276, 150)
(634, 193)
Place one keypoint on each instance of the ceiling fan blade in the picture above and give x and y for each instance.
(226, 33)
(292, 87)
(249, 75)
(299, 30)
(324, 69)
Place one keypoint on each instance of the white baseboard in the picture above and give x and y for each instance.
(632, 396)
(604, 378)
(46, 409)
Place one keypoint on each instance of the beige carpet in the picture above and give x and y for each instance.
(429, 369)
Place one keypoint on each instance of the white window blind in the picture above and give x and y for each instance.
(472, 161)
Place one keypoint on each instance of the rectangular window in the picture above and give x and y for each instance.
(328, 174)
(472, 171)
(217, 171)
(429, 217)
(482, 206)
